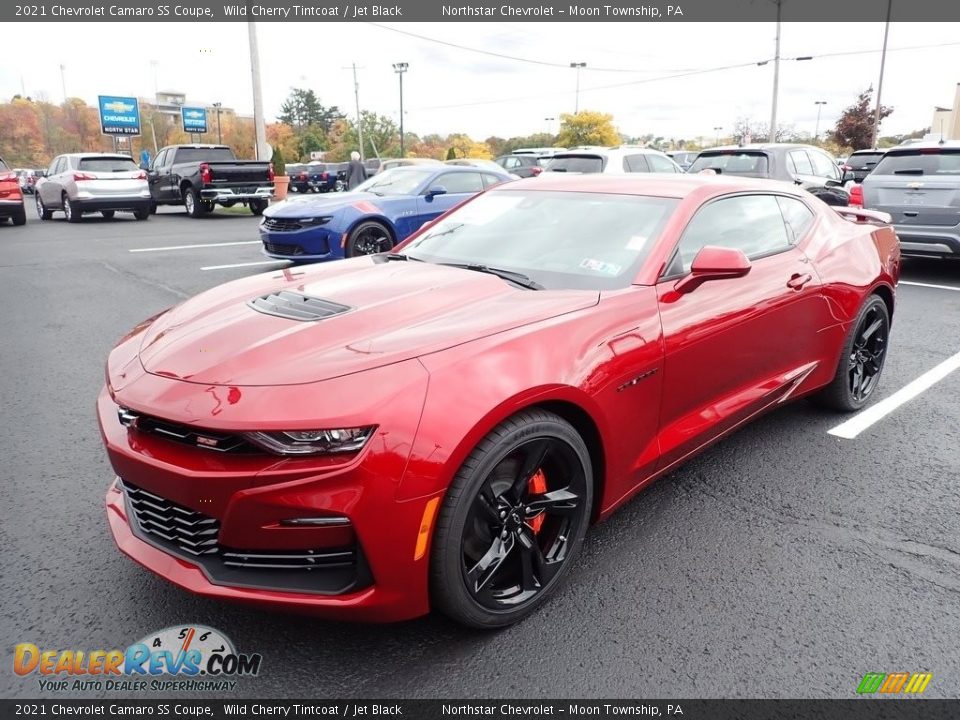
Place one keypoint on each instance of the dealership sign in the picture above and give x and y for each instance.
(119, 115)
(194, 119)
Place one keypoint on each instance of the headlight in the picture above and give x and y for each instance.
(315, 220)
(313, 442)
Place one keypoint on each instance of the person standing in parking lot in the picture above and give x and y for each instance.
(356, 173)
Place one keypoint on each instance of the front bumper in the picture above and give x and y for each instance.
(310, 244)
(264, 192)
(247, 500)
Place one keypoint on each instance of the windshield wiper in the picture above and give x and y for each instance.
(399, 256)
(508, 275)
(909, 171)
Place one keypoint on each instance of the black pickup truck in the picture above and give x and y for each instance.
(200, 177)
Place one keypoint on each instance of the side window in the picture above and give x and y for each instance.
(635, 163)
(751, 223)
(159, 159)
(465, 182)
(797, 216)
(52, 170)
(823, 166)
(798, 163)
(489, 180)
(660, 164)
(511, 163)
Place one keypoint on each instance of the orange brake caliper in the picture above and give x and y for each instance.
(538, 486)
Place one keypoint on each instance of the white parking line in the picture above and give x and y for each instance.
(930, 285)
(190, 247)
(249, 264)
(863, 420)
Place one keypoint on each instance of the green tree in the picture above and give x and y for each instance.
(587, 128)
(854, 128)
(452, 153)
(303, 108)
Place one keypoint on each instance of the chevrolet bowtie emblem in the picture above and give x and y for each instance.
(915, 185)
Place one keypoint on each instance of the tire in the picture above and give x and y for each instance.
(368, 238)
(258, 206)
(72, 210)
(107, 214)
(144, 213)
(20, 216)
(196, 208)
(491, 504)
(42, 211)
(861, 361)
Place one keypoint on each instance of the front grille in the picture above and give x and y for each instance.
(185, 434)
(295, 306)
(282, 249)
(181, 531)
(281, 224)
(187, 530)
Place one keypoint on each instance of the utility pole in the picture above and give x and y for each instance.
(400, 69)
(218, 106)
(260, 147)
(717, 130)
(577, 65)
(883, 62)
(356, 99)
(63, 81)
(819, 104)
(776, 78)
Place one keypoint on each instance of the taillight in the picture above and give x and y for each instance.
(325, 176)
(9, 177)
(142, 175)
(846, 168)
(205, 175)
(80, 176)
(856, 196)
(270, 174)
(303, 176)
(536, 170)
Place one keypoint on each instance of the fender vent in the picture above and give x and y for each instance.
(294, 306)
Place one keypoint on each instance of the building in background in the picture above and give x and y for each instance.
(946, 120)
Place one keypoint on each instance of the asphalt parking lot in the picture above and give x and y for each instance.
(783, 562)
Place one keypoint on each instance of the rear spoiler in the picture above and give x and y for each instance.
(860, 215)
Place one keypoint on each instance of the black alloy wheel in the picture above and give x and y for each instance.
(512, 521)
(861, 360)
(368, 238)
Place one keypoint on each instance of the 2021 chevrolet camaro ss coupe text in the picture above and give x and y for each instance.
(436, 427)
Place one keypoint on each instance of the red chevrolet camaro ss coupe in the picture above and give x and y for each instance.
(437, 426)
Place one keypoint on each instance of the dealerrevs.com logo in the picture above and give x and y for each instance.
(199, 657)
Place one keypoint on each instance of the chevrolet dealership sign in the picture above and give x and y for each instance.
(119, 115)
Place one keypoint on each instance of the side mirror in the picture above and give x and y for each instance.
(436, 190)
(713, 263)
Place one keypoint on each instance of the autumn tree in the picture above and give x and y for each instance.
(854, 129)
(587, 128)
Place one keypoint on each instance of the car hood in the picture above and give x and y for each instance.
(312, 205)
(395, 311)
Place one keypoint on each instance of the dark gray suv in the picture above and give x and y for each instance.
(919, 186)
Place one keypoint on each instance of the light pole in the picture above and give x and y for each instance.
(548, 121)
(776, 78)
(819, 104)
(577, 65)
(218, 105)
(883, 62)
(259, 125)
(63, 81)
(400, 69)
(717, 130)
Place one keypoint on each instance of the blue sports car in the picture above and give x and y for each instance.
(380, 213)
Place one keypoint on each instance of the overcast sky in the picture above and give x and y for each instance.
(448, 89)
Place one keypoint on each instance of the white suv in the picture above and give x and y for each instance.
(612, 161)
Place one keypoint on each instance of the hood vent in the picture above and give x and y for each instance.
(295, 306)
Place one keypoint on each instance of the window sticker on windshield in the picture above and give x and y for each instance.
(636, 242)
(600, 266)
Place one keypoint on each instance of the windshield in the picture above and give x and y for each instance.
(561, 240)
(923, 161)
(746, 164)
(398, 181)
(107, 165)
(864, 161)
(576, 164)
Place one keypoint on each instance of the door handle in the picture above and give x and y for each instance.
(797, 281)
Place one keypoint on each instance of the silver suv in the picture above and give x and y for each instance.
(78, 183)
(612, 161)
(919, 186)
